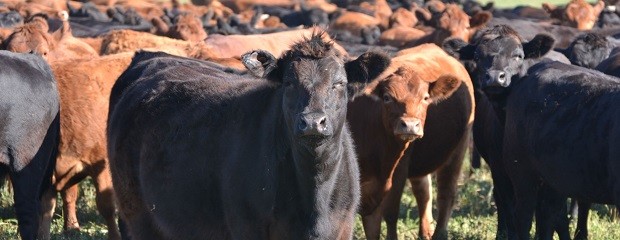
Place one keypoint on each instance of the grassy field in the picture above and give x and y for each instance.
(473, 218)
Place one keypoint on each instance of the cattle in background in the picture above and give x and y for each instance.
(452, 21)
(278, 145)
(30, 132)
(577, 13)
(233, 46)
(186, 27)
(588, 50)
(387, 119)
(498, 57)
(33, 37)
(84, 86)
(577, 154)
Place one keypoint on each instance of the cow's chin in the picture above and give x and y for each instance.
(408, 137)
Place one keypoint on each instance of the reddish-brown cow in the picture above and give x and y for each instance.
(84, 86)
(391, 114)
(33, 37)
(577, 13)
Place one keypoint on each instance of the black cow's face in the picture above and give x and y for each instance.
(588, 50)
(498, 56)
(315, 96)
(497, 61)
(316, 84)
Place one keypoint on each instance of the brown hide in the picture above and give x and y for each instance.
(380, 151)
(232, 46)
(33, 37)
(577, 13)
(354, 22)
(187, 27)
(398, 36)
(403, 17)
(84, 86)
(130, 41)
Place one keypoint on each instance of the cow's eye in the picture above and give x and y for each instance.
(517, 57)
(387, 98)
(339, 84)
(427, 97)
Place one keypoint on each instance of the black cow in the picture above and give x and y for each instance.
(563, 136)
(29, 123)
(497, 57)
(611, 65)
(588, 50)
(10, 19)
(197, 152)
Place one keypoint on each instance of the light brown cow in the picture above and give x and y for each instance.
(186, 27)
(390, 115)
(33, 37)
(130, 41)
(232, 46)
(577, 13)
(354, 22)
(453, 22)
(398, 36)
(84, 86)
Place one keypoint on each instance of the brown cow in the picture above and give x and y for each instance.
(186, 27)
(232, 46)
(131, 41)
(392, 113)
(398, 36)
(577, 13)
(84, 86)
(354, 22)
(33, 37)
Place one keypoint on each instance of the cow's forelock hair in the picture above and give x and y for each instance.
(314, 47)
(498, 31)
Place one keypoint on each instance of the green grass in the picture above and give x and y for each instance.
(473, 217)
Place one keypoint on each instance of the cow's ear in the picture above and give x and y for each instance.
(548, 7)
(365, 68)
(459, 49)
(443, 87)
(259, 63)
(480, 19)
(539, 46)
(598, 8)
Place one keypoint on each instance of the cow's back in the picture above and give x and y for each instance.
(29, 104)
(564, 119)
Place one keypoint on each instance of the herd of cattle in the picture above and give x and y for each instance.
(282, 119)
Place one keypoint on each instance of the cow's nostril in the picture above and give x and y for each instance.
(501, 76)
(303, 124)
(403, 124)
(322, 121)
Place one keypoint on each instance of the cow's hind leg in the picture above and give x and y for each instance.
(48, 205)
(581, 233)
(423, 193)
(69, 199)
(105, 202)
(372, 224)
(32, 181)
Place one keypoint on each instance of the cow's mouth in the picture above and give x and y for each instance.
(409, 137)
(494, 90)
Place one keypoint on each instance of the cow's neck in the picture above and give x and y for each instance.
(316, 171)
(395, 149)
